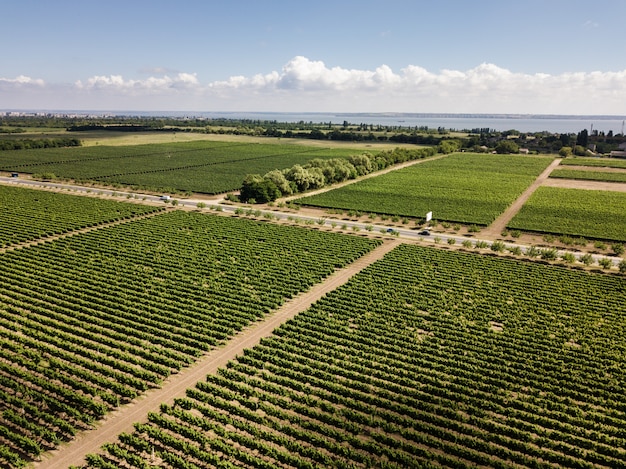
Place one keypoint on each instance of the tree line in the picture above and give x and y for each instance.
(318, 173)
(30, 143)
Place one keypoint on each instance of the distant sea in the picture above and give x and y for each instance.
(497, 122)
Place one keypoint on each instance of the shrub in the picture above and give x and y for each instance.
(569, 257)
(532, 251)
(599, 245)
(515, 250)
(497, 246)
(549, 254)
(605, 263)
(618, 249)
(586, 259)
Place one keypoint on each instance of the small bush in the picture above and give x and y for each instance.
(605, 263)
(586, 259)
(532, 251)
(618, 249)
(569, 257)
(451, 241)
(549, 254)
(599, 245)
(515, 250)
(497, 246)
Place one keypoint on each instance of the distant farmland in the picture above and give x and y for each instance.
(209, 167)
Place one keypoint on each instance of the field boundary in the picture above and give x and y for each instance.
(500, 223)
(122, 419)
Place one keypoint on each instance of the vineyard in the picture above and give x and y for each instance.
(464, 187)
(29, 214)
(596, 162)
(201, 166)
(428, 358)
(586, 174)
(91, 321)
(576, 212)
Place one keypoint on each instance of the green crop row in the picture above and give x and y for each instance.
(600, 162)
(91, 321)
(577, 212)
(29, 214)
(464, 187)
(606, 176)
(206, 166)
(428, 358)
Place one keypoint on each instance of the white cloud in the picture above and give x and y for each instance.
(309, 85)
(117, 84)
(22, 81)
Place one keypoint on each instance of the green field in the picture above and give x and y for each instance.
(576, 212)
(428, 358)
(464, 187)
(29, 214)
(199, 166)
(588, 175)
(91, 321)
(600, 162)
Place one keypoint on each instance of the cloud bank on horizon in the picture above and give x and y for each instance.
(305, 85)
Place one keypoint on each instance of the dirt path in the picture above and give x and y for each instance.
(500, 223)
(122, 419)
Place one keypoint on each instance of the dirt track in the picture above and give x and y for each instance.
(122, 420)
(500, 223)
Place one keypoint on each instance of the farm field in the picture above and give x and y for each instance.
(589, 175)
(29, 214)
(596, 162)
(91, 321)
(428, 358)
(462, 187)
(588, 213)
(198, 166)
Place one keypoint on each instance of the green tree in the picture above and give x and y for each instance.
(582, 138)
(507, 146)
(565, 152)
(256, 188)
(448, 146)
(279, 179)
(579, 150)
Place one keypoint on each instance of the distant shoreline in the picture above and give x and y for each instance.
(529, 123)
(440, 115)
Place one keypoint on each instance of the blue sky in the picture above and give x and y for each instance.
(492, 56)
